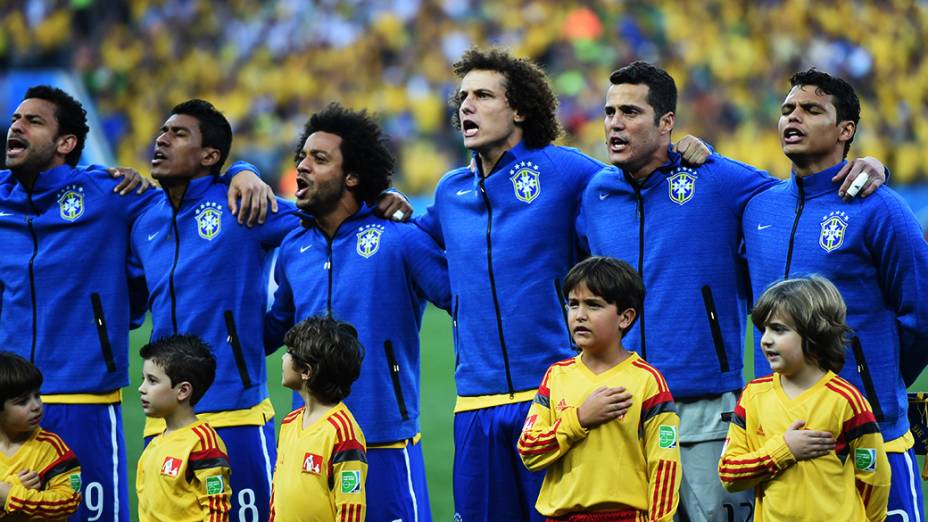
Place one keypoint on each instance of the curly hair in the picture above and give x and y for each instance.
(215, 130)
(528, 91)
(332, 349)
(815, 309)
(847, 104)
(71, 116)
(184, 358)
(365, 148)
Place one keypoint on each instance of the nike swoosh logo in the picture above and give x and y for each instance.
(462, 192)
(305, 248)
(152, 236)
(4, 214)
(763, 227)
(603, 196)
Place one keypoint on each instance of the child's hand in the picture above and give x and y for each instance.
(30, 479)
(603, 405)
(806, 444)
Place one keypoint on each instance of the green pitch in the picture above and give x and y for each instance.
(437, 403)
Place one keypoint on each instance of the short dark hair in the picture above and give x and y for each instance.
(528, 91)
(612, 279)
(332, 349)
(847, 105)
(71, 116)
(365, 148)
(17, 377)
(214, 128)
(662, 90)
(184, 358)
(816, 311)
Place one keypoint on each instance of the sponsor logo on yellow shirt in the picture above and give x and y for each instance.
(171, 467)
(529, 422)
(312, 463)
(865, 459)
(561, 406)
(667, 437)
(351, 481)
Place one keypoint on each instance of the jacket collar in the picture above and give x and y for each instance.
(50, 180)
(308, 221)
(519, 151)
(674, 160)
(815, 184)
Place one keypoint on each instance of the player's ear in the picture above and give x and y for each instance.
(626, 318)
(352, 180)
(306, 373)
(184, 391)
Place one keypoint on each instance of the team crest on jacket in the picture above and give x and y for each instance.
(369, 240)
(526, 181)
(834, 225)
(681, 185)
(71, 202)
(209, 220)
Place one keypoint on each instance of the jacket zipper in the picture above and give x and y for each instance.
(328, 267)
(640, 210)
(100, 321)
(35, 253)
(174, 268)
(499, 319)
(395, 377)
(865, 377)
(792, 235)
(237, 349)
(454, 325)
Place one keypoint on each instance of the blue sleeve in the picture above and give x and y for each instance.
(133, 204)
(278, 224)
(430, 223)
(235, 168)
(741, 181)
(280, 317)
(427, 265)
(138, 290)
(901, 257)
(583, 242)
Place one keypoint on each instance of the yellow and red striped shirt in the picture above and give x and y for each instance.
(629, 466)
(184, 475)
(851, 484)
(58, 495)
(321, 470)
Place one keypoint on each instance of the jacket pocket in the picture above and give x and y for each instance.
(562, 304)
(866, 378)
(714, 327)
(395, 377)
(237, 349)
(106, 348)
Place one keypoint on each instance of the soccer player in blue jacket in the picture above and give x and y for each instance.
(680, 226)
(872, 249)
(64, 293)
(207, 276)
(347, 263)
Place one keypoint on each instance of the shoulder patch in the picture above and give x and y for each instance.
(865, 459)
(667, 436)
(350, 481)
(214, 485)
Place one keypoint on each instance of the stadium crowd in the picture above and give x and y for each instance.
(267, 62)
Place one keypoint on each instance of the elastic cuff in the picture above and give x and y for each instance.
(572, 427)
(779, 451)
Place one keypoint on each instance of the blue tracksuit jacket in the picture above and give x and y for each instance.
(375, 274)
(510, 239)
(681, 228)
(64, 300)
(207, 275)
(872, 249)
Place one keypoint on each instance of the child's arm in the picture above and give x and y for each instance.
(209, 473)
(59, 498)
(349, 470)
(544, 439)
(871, 467)
(662, 453)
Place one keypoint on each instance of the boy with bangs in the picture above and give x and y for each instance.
(321, 459)
(183, 473)
(581, 415)
(804, 438)
(40, 477)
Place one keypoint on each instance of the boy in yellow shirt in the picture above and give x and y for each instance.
(804, 438)
(40, 478)
(321, 452)
(603, 423)
(183, 474)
